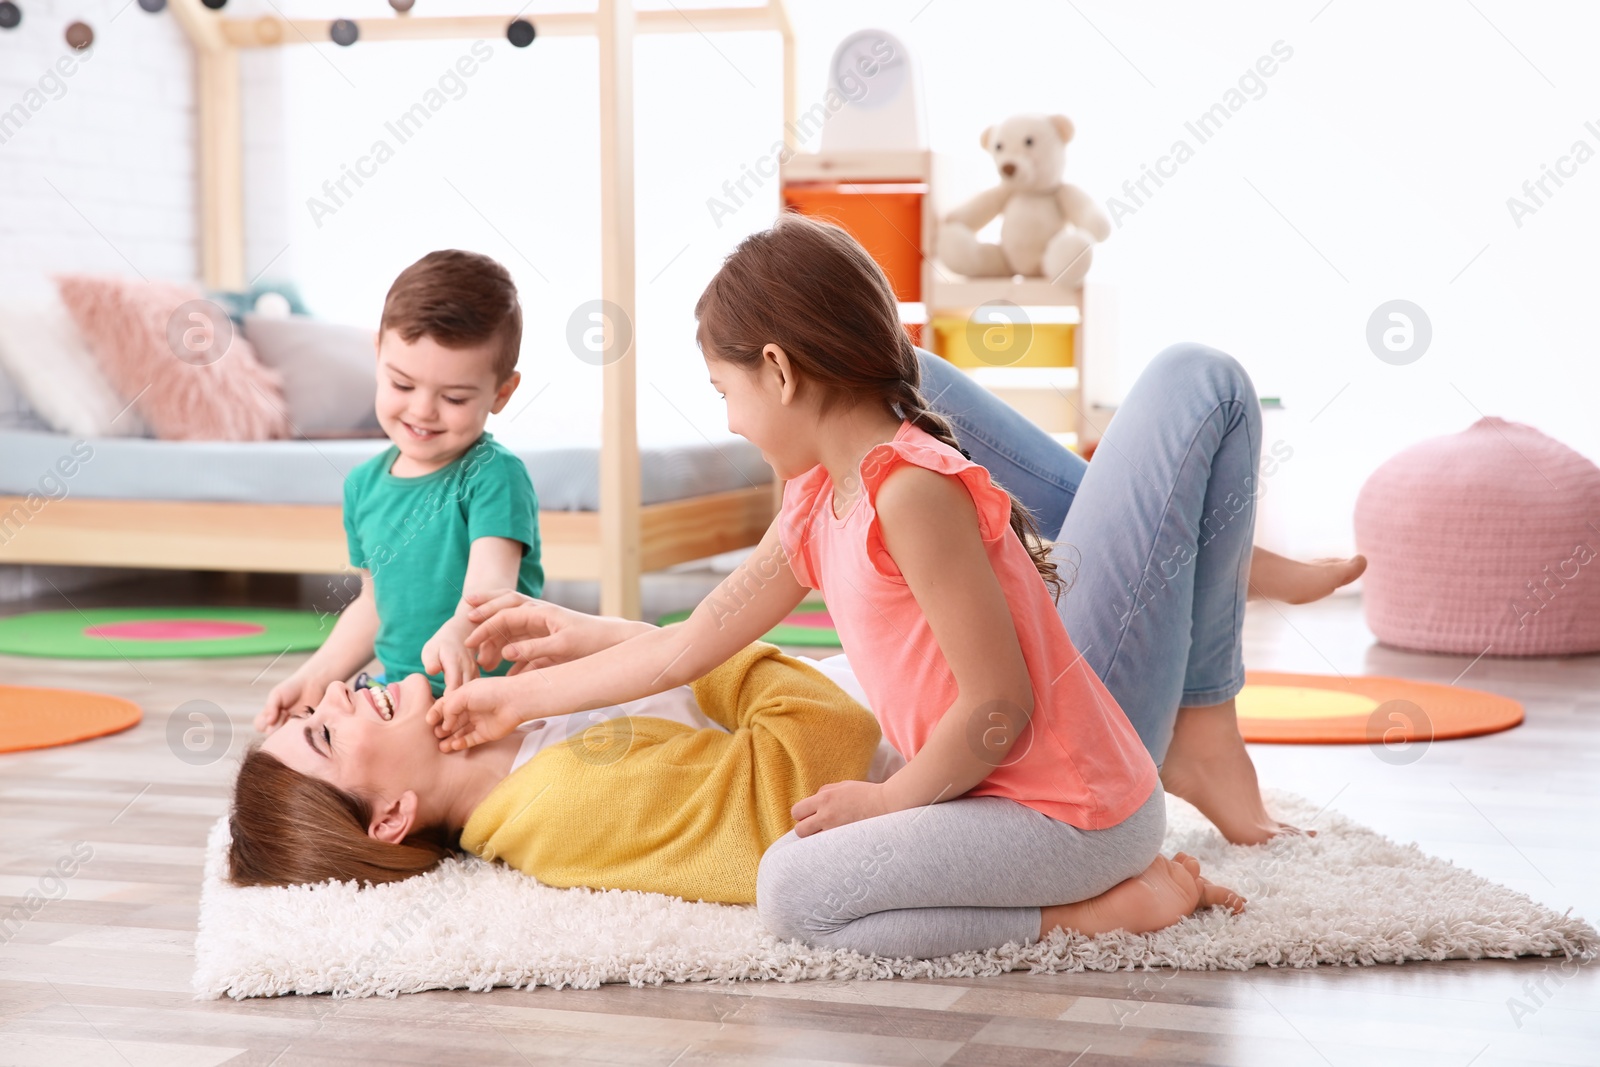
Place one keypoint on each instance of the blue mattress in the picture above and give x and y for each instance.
(313, 472)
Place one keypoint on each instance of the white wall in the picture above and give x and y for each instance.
(508, 166)
(97, 166)
(1376, 164)
(96, 169)
(1373, 164)
(1390, 140)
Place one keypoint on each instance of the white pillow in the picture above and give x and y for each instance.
(15, 411)
(47, 360)
(330, 377)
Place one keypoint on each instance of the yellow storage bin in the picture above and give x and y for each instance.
(968, 344)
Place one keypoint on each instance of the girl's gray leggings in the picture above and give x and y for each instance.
(970, 873)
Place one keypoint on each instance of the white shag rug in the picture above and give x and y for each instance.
(1347, 896)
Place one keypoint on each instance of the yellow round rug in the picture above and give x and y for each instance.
(1324, 710)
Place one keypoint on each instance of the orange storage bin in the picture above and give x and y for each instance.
(885, 217)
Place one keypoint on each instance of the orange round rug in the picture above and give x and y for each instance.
(39, 718)
(1316, 709)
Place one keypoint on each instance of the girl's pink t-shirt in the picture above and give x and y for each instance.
(1079, 759)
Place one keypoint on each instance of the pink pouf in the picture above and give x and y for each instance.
(1484, 539)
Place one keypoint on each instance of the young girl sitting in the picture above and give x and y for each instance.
(1028, 801)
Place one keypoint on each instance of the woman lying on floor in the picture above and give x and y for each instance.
(678, 793)
(1075, 817)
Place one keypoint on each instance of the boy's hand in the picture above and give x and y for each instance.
(536, 633)
(837, 804)
(446, 652)
(294, 691)
(482, 710)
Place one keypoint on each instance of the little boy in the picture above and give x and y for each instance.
(447, 510)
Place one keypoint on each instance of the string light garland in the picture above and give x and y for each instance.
(343, 32)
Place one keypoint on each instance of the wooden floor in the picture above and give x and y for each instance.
(102, 975)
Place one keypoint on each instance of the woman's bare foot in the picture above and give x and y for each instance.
(1275, 577)
(1207, 765)
(1166, 892)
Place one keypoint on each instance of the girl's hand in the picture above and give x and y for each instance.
(836, 804)
(481, 710)
(536, 633)
(294, 691)
(446, 652)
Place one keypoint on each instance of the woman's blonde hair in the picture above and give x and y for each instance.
(289, 828)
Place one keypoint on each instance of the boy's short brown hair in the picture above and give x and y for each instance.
(458, 299)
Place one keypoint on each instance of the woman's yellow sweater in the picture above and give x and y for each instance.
(649, 804)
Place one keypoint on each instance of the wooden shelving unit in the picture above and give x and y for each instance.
(1052, 397)
(954, 291)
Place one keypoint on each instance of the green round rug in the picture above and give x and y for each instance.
(808, 624)
(161, 633)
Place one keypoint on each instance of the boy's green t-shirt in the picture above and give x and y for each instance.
(414, 536)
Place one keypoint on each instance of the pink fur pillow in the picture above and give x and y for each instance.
(127, 323)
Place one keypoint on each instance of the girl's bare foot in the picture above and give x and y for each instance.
(1275, 577)
(1207, 765)
(1166, 892)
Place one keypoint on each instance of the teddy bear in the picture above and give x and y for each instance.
(1050, 226)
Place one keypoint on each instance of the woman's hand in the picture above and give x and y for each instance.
(484, 709)
(536, 633)
(836, 804)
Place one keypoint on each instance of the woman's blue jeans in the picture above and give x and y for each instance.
(1154, 535)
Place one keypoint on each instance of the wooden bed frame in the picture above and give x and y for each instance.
(615, 544)
(310, 539)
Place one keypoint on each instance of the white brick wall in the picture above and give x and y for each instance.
(115, 139)
(101, 174)
(268, 251)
